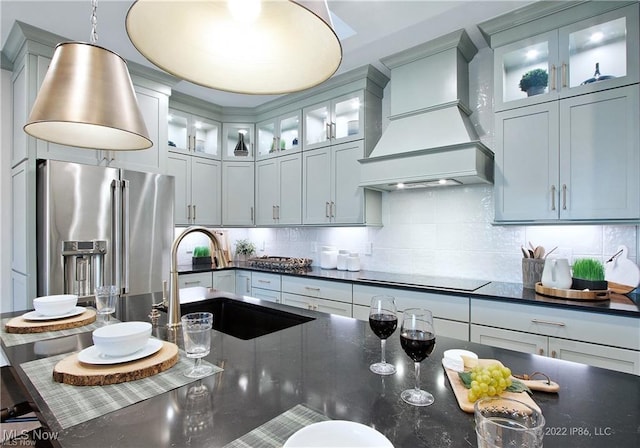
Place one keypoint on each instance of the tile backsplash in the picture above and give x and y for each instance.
(444, 232)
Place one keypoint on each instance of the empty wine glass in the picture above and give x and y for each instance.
(196, 331)
(417, 338)
(383, 320)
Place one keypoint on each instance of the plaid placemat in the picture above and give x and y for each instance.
(275, 432)
(11, 339)
(76, 404)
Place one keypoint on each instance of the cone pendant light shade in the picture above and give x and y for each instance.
(242, 46)
(87, 100)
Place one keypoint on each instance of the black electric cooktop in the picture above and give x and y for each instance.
(427, 281)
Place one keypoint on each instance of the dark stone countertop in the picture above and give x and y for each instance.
(324, 364)
(622, 305)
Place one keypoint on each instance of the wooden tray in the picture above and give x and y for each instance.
(461, 393)
(572, 294)
(71, 371)
(22, 326)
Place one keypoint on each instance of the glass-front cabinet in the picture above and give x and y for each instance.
(193, 134)
(333, 122)
(279, 135)
(591, 55)
(237, 141)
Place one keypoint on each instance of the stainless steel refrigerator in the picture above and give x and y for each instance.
(99, 226)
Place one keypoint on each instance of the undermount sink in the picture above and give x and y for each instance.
(244, 320)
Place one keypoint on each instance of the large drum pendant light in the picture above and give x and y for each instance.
(242, 46)
(87, 100)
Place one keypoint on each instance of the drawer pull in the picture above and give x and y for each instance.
(194, 282)
(548, 322)
(311, 288)
(554, 354)
(541, 352)
(264, 281)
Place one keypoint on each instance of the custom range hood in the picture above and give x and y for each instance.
(429, 140)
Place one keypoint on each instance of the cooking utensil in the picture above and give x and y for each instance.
(549, 253)
(538, 252)
(525, 252)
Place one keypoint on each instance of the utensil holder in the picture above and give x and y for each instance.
(532, 271)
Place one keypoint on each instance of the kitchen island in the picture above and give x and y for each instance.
(324, 365)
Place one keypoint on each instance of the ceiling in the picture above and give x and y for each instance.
(381, 28)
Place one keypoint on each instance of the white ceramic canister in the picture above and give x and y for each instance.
(328, 257)
(353, 262)
(343, 255)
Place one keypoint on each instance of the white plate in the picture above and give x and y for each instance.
(91, 355)
(34, 315)
(337, 434)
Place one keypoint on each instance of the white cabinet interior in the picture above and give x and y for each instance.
(193, 134)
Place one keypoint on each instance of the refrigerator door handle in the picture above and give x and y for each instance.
(116, 233)
(125, 236)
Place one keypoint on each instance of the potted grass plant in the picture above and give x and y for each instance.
(588, 273)
(201, 255)
(534, 81)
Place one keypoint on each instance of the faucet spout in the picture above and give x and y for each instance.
(173, 311)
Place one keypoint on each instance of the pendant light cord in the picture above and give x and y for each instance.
(94, 22)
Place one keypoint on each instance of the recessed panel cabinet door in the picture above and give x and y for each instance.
(526, 177)
(206, 192)
(599, 159)
(179, 166)
(316, 167)
(348, 204)
(267, 182)
(237, 193)
(290, 206)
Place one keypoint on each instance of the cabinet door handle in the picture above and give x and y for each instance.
(553, 77)
(328, 125)
(548, 322)
(332, 209)
(564, 196)
(248, 286)
(278, 212)
(333, 130)
(564, 74)
(326, 210)
(194, 212)
(251, 214)
(541, 351)
(189, 212)
(553, 197)
(273, 212)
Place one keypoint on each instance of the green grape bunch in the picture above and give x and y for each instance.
(488, 381)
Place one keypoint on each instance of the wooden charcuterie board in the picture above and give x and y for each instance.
(461, 393)
(20, 325)
(71, 371)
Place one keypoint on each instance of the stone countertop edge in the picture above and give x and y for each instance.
(628, 305)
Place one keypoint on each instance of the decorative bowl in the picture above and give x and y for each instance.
(55, 305)
(122, 339)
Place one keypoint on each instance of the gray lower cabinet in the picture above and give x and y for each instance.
(202, 279)
(599, 340)
(450, 313)
(243, 283)
(265, 286)
(318, 295)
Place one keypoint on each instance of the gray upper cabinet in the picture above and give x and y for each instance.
(279, 190)
(568, 50)
(569, 153)
(576, 159)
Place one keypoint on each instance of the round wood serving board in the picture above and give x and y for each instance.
(22, 326)
(571, 294)
(71, 371)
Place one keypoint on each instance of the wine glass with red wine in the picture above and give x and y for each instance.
(417, 338)
(383, 320)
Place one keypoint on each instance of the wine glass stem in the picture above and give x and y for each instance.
(196, 366)
(417, 364)
(383, 345)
